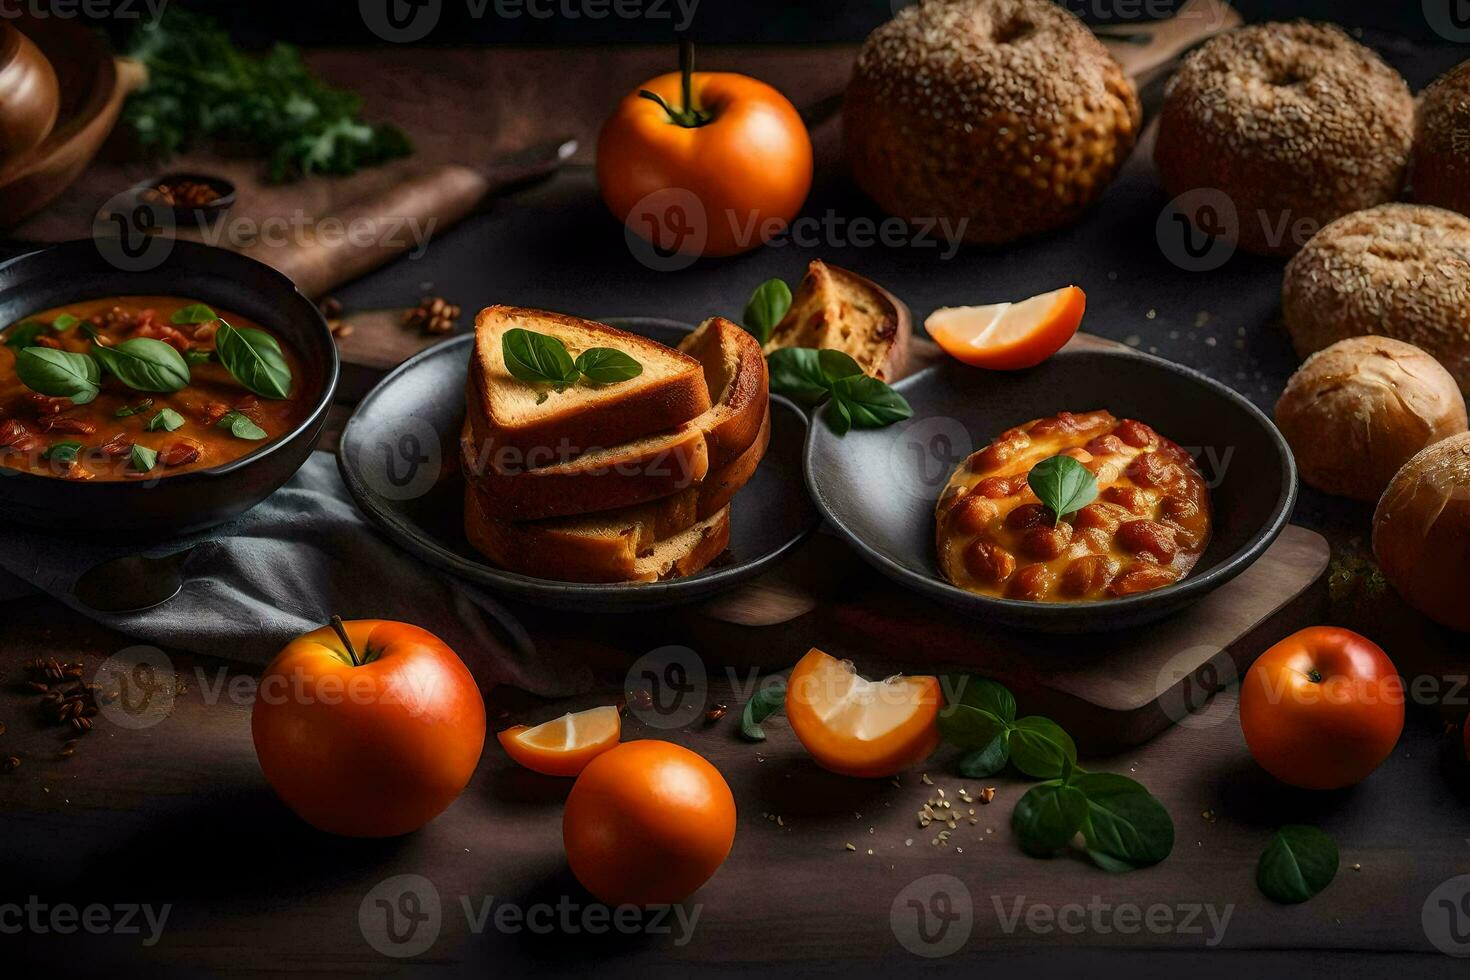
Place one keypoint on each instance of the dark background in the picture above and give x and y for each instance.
(715, 21)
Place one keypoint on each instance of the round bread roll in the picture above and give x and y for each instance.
(1006, 115)
(1396, 270)
(1439, 171)
(1421, 532)
(1356, 412)
(1295, 124)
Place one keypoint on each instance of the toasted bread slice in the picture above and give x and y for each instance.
(642, 469)
(519, 416)
(604, 547)
(686, 553)
(837, 309)
(739, 387)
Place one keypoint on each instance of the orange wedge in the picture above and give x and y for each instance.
(564, 746)
(1009, 336)
(859, 727)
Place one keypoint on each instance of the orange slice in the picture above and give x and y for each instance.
(564, 746)
(859, 727)
(1009, 336)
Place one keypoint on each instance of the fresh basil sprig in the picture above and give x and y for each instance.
(59, 373)
(64, 322)
(766, 308)
(1123, 826)
(540, 358)
(253, 358)
(241, 426)
(137, 409)
(1299, 862)
(63, 452)
(145, 364)
(761, 706)
(853, 398)
(1062, 484)
(193, 313)
(607, 365)
(142, 458)
(166, 420)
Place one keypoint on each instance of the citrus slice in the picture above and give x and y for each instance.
(1009, 336)
(564, 746)
(859, 727)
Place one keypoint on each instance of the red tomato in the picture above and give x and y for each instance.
(719, 164)
(372, 743)
(1322, 709)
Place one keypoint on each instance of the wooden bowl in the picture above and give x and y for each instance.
(93, 86)
(30, 97)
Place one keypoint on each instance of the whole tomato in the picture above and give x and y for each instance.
(1322, 709)
(368, 728)
(707, 163)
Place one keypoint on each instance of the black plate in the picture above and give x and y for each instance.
(398, 458)
(878, 487)
(197, 499)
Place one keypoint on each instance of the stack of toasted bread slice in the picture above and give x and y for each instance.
(623, 482)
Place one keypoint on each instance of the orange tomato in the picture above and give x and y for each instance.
(648, 823)
(371, 742)
(1009, 336)
(718, 165)
(1322, 709)
(563, 746)
(859, 727)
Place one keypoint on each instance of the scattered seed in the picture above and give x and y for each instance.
(851, 847)
(987, 794)
(1357, 867)
(924, 778)
(870, 851)
(908, 842)
(716, 713)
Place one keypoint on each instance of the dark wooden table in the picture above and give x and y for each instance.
(178, 813)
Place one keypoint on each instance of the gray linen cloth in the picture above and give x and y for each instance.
(284, 568)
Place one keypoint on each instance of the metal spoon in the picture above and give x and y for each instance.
(132, 583)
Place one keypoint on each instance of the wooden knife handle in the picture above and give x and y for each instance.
(371, 233)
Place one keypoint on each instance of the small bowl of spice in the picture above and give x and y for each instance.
(196, 199)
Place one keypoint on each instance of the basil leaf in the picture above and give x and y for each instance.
(1048, 817)
(1127, 827)
(145, 364)
(1063, 484)
(871, 403)
(58, 373)
(196, 356)
(989, 760)
(982, 692)
(24, 334)
(167, 419)
(64, 322)
(143, 458)
(838, 416)
(766, 308)
(970, 728)
(253, 358)
(607, 365)
(193, 313)
(761, 706)
(137, 409)
(796, 372)
(537, 358)
(241, 426)
(1299, 862)
(837, 365)
(65, 452)
(1040, 748)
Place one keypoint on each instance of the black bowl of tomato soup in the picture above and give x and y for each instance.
(156, 394)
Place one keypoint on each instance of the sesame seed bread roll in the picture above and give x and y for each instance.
(1008, 115)
(1439, 172)
(1396, 270)
(1296, 123)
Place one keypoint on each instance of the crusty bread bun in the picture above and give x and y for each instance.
(1008, 114)
(1295, 123)
(1355, 413)
(1396, 270)
(1439, 170)
(1421, 532)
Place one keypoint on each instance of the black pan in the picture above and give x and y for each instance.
(197, 499)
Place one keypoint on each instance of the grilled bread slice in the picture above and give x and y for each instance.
(640, 470)
(688, 552)
(837, 309)
(519, 417)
